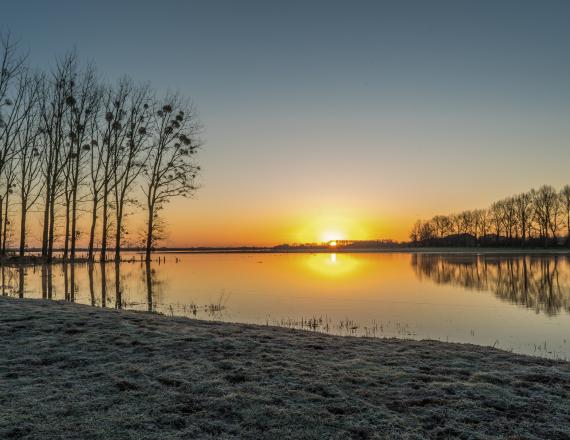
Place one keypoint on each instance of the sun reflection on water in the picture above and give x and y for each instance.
(333, 265)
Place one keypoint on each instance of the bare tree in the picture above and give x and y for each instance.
(29, 181)
(9, 183)
(171, 170)
(496, 214)
(509, 216)
(523, 213)
(83, 101)
(545, 203)
(442, 225)
(96, 181)
(565, 201)
(130, 159)
(12, 119)
(415, 232)
(113, 136)
(55, 107)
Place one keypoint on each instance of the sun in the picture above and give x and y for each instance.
(332, 236)
(332, 243)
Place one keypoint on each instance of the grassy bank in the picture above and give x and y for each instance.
(69, 371)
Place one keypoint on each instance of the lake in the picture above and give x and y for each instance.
(514, 302)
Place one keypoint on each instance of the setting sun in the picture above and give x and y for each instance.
(332, 235)
(332, 243)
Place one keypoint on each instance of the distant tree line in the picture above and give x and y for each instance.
(71, 143)
(534, 218)
(339, 244)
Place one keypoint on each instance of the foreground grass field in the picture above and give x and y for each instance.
(75, 372)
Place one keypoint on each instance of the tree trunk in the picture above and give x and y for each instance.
(66, 237)
(149, 235)
(105, 223)
(51, 227)
(23, 217)
(5, 227)
(92, 230)
(118, 235)
(73, 225)
(1, 218)
(45, 232)
(74, 208)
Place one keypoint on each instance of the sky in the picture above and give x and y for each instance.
(330, 120)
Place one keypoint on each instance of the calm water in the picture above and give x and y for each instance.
(519, 303)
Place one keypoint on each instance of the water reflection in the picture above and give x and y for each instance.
(334, 266)
(540, 283)
(24, 281)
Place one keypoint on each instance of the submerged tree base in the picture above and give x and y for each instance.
(71, 371)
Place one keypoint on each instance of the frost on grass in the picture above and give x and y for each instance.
(70, 372)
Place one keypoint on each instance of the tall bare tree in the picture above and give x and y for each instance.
(9, 184)
(565, 202)
(171, 170)
(545, 203)
(29, 181)
(83, 101)
(12, 120)
(130, 159)
(523, 213)
(113, 136)
(54, 110)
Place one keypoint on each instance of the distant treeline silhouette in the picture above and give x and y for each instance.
(534, 218)
(71, 143)
(540, 283)
(338, 244)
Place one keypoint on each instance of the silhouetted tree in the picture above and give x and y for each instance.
(54, 108)
(113, 137)
(523, 213)
(13, 116)
(565, 202)
(171, 170)
(130, 159)
(28, 180)
(9, 184)
(545, 203)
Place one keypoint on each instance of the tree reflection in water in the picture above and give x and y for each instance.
(99, 277)
(538, 282)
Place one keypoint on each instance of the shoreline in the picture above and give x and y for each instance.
(74, 371)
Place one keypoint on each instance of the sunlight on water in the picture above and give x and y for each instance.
(519, 303)
(331, 265)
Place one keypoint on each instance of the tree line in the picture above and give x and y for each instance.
(72, 143)
(538, 217)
